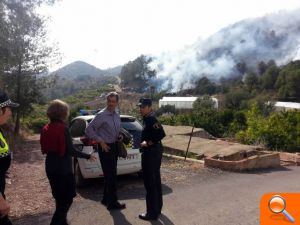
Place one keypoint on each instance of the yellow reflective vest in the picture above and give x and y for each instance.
(4, 150)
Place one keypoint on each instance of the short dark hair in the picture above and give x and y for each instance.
(58, 110)
(112, 94)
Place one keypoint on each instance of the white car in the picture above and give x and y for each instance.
(84, 169)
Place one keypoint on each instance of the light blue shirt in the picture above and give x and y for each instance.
(104, 127)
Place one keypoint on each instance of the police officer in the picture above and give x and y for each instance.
(5, 157)
(152, 150)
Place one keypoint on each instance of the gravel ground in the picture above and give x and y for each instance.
(29, 193)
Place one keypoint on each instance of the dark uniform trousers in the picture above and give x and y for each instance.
(5, 163)
(108, 162)
(63, 191)
(151, 162)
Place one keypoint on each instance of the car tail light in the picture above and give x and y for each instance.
(87, 141)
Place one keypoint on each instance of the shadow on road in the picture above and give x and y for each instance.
(119, 218)
(270, 170)
(165, 220)
(39, 219)
(129, 187)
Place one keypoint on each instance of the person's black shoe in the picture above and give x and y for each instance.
(145, 216)
(117, 205)
(104, 202)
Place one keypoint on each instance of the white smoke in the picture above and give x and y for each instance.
(275, 36)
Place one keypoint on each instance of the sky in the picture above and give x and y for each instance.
(108, 33)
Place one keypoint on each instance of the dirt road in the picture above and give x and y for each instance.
(192, 196)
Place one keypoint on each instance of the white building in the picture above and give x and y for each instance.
(182, 102)
(279, 106)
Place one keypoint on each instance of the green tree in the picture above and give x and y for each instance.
(255, 126)
(251, 81)
(26, 53)
(288, 82)
(137, 74)
(205, 86)
(236, 98)
(203, 103)
(269, 77)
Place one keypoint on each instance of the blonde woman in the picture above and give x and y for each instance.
(56, 143)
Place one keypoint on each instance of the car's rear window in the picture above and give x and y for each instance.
(133, 125)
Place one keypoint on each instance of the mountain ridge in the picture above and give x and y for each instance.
(80, 69)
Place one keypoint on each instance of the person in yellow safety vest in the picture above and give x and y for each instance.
(5, 157)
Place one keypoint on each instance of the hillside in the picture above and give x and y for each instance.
(78, 68)
(78, 76)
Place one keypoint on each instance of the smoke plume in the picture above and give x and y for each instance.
(274, 36)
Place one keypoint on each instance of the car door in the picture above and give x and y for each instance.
(132, 163)
(88, 168)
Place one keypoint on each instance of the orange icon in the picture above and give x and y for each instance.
(277, 204)
(280, 208)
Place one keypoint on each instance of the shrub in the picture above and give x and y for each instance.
(166, 109)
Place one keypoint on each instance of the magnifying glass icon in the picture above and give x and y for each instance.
(277, 205)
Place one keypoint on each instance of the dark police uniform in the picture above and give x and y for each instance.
(152, 133)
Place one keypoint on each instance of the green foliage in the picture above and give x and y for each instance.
(237, 98)
(251, 81)
(74, 111)
(137, 74)
(282, 131)
(213, 121)
(205, 86)
(204, 102)
(269, 77)
(288, 82)
(279, 131)
(239, 123)
(63, 87)
(36, 119)
(86, 95)
(24, 53)
(166, 109)
(255, 124)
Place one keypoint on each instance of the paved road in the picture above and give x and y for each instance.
(210, 197)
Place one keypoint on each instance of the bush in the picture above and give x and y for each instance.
(204, 102)
(279, 131)
(166, 109)
(37, 119)
(238, 124)
(282, 131)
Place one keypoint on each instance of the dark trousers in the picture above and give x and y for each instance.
(151, 162)
(5, 163)
(109, 167)
(61, 211)
(63, 191)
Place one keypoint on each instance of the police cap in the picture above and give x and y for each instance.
(5, 101)
(145, 102)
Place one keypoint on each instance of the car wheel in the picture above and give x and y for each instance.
(79, 180)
